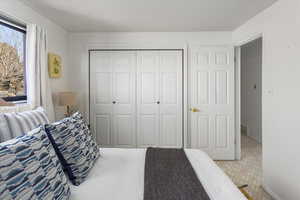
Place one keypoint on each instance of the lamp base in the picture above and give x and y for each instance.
(68, 113)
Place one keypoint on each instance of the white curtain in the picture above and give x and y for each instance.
(38, 83)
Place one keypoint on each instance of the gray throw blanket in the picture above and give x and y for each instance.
(170, 176)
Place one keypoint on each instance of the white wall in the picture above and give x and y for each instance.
(57, 38)
(280, 26)
(251, 65)
(81, 42)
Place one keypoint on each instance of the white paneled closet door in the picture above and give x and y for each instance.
(148, 98)
(212, 101)
(113, 97)
(159, 98)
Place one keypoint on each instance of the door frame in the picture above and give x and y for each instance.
(237, 52)
(160, 47)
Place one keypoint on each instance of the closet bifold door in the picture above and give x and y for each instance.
(113, 97)
(159, 98)
(148, 98)
(170, 97)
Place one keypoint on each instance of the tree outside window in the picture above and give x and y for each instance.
(12, 63)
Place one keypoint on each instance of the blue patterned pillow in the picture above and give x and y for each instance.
(29, 169)
(75, 146)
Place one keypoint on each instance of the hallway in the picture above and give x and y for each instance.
(248, 170)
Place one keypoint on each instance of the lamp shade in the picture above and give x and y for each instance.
(5, 103)
(66, 98)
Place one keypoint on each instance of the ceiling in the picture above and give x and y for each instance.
(149, 15)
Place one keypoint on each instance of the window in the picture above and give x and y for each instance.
(12, 61)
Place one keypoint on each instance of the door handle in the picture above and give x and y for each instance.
(158, 102)
(194, 110)
(114, 102)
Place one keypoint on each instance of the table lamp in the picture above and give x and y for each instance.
(67, 99)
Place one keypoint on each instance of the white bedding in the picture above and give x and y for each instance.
(119, 175)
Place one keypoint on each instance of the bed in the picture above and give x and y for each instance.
(119, 175)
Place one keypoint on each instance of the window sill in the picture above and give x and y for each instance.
(18, 107)
(19, 102)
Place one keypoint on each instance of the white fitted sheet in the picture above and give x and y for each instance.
(119, 175)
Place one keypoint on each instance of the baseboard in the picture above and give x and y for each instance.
(271, 192)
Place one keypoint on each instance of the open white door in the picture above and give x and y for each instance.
(212, 101)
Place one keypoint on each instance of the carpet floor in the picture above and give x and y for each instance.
(248, 170)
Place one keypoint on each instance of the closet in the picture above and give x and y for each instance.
(136, 98)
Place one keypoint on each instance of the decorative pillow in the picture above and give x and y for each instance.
(74, 145)
(4, 129)
(29, 169)
(20, 123)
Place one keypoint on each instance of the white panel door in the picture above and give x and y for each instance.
(101, 93)
(124, 100)
(159, 98)
(112, 87)
(212, 101)
(148, 98)
(170, 98)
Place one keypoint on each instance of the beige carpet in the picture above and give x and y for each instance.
(248, 170)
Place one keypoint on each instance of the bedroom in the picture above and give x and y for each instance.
(146, 102)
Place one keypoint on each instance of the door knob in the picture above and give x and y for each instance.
(158, 102)
(114, 102)
(194, 110)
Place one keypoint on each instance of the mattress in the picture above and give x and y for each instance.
(119, 175)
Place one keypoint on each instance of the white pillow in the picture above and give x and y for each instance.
(20, 123)
(4, 129)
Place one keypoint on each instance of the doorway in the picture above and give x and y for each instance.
(249, 130)
(247, 169)
(251, 57)
(251, 90)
